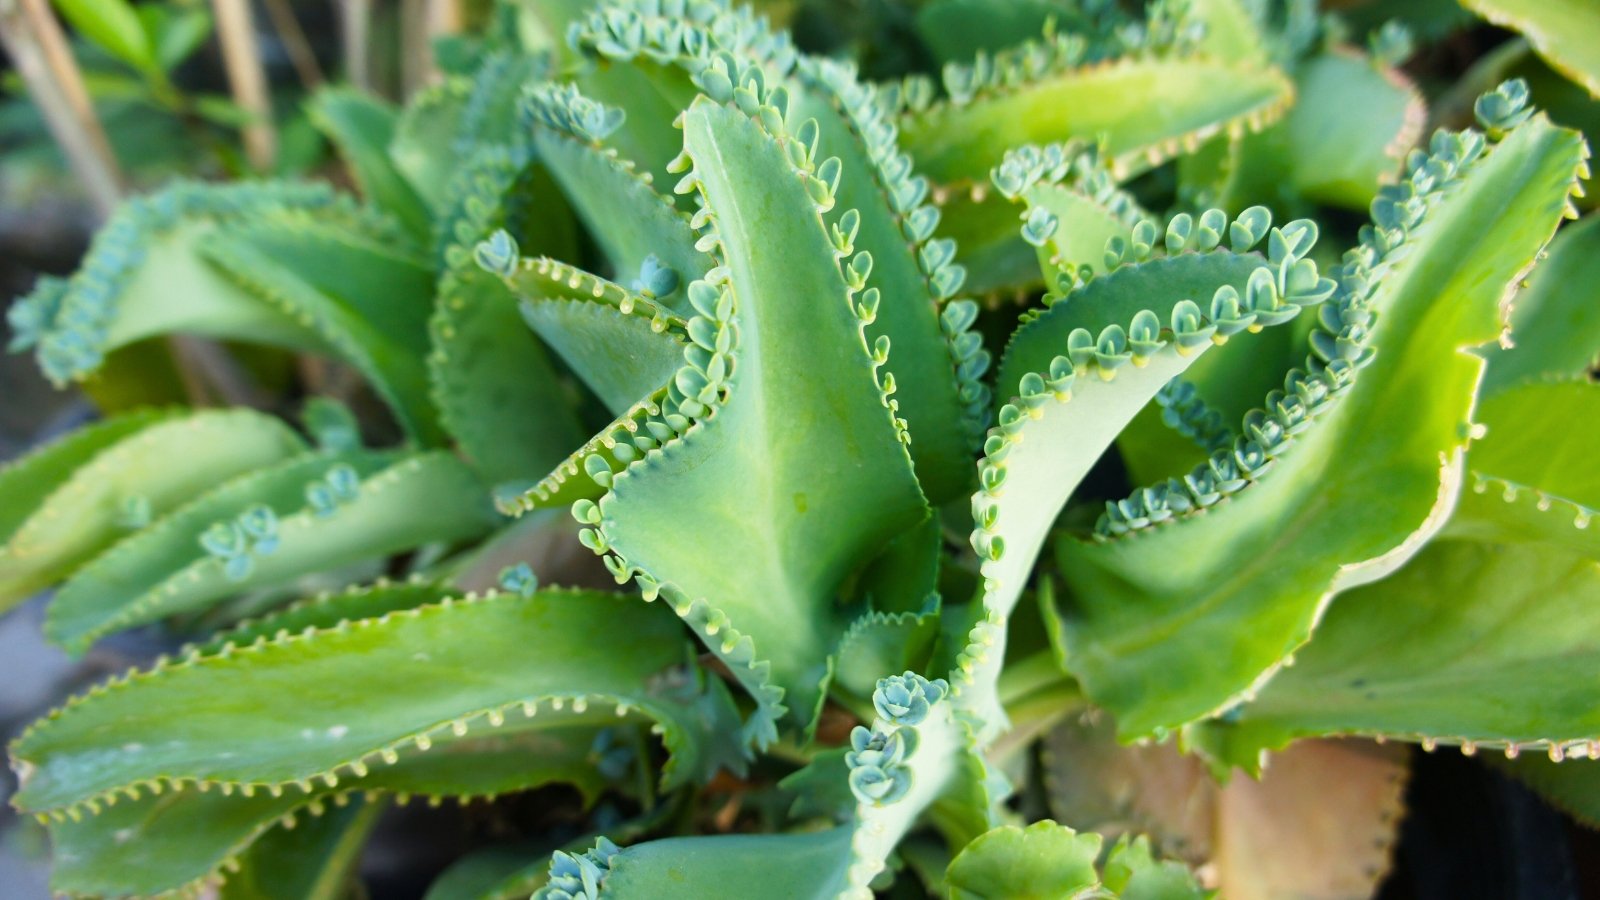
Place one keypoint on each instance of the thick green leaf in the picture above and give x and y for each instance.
(807, 866)
(428, 143)
(998, 262)
(323, 705)
(1572, 786)
(569, 481)
(1145, 109)
(1231, 30)
(448, 124)
(1135, 874)
(801, 366)
(1351, 125)
(1084, 224)
(114, 26)
(936, 764)
(905, 578)
(1533, 473)
(1114, 299)
(1032, 468)
(399, 504)
(144, 276)
(641, 61)
(1470, 644)
(629, 219)
(179, 34)
(912, 270)
(956, 30)
(1555, 324)
(315, 860)
(883, 642)
(367, 298)
(1170, 623)
(492, 382)
(25, 483)
(119, 484)
(362, 127)
(624, 346)
(1077, 372)
(328, 610)
(1040, 862)
(1565, 32)
(176, 838)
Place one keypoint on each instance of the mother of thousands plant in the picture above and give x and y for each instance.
(1226, 488)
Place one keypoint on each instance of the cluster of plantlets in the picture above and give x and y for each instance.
(712, 298)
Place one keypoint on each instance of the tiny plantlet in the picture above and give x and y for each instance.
(924, 486)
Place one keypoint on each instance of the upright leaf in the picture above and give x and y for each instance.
(777, 350)
(1180, 614)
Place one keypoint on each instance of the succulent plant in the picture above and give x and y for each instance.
(732, 308)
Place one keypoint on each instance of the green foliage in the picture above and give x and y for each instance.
(691, 306)
(1563, 31)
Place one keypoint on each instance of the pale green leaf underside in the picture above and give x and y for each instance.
(793, 516)
(1173, 622)
(1565, 32)
(1050, 456)
(1146, 109)
(312, 705)
(1469, 642)
(81, 516)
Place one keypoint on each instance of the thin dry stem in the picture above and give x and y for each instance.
(295, 43)
(248, 80)
(38, 49)
(355, 34)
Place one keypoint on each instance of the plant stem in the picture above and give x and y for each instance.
(355, 33)
(295, 43)
(33, 39)
(248, 79)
